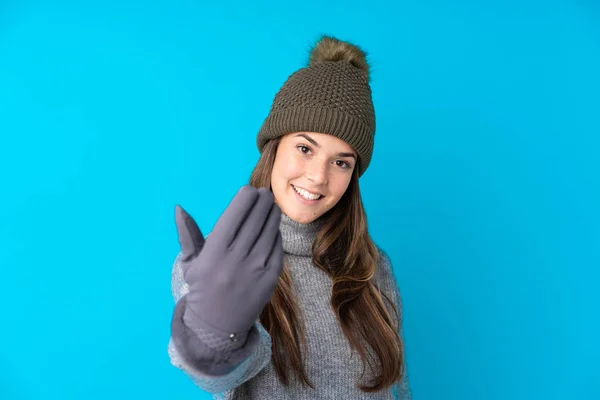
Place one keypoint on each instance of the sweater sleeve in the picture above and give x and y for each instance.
(258, 358)
(390, 287)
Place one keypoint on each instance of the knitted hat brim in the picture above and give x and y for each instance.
(320, 120)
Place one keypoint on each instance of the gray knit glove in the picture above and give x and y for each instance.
(231, 276)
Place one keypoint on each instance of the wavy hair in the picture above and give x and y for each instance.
(343, 249)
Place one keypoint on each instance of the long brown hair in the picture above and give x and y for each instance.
(345, 251)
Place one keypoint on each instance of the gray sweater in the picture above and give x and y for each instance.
(332, 367)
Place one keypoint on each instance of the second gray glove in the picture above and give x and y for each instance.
(233, 273)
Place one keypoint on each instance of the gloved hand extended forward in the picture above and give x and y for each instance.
(231, 274)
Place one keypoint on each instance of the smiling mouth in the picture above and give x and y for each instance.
(306, 194)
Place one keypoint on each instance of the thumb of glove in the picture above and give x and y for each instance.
(189, 235)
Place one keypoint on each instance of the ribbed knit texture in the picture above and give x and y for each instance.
(331, 97)
(333, 368)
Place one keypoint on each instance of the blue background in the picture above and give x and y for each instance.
(484, 188)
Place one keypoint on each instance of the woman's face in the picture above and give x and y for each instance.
(311, 173)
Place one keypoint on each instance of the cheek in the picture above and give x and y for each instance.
(288, 169)
(285, 169)
(337, 187)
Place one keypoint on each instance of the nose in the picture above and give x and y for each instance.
(317, 172)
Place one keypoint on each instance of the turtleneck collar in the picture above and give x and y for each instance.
(298, 238)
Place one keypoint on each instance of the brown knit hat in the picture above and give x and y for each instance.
(331, 95)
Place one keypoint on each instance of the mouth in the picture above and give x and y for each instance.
(306, 195)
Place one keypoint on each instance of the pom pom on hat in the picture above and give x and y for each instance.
(328, 48)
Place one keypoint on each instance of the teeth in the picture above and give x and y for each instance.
(306, 195)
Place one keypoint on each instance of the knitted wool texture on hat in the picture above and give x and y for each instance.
(331, 97)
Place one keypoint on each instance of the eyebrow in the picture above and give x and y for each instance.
(314, 143)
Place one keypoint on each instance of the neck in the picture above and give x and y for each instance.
(298, 238)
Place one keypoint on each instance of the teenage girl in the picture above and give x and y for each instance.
(288, 297)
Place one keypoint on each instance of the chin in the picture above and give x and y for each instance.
(300, 216)
(303, 218)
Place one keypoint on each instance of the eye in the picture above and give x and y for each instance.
(303, 149)
(342, 164)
